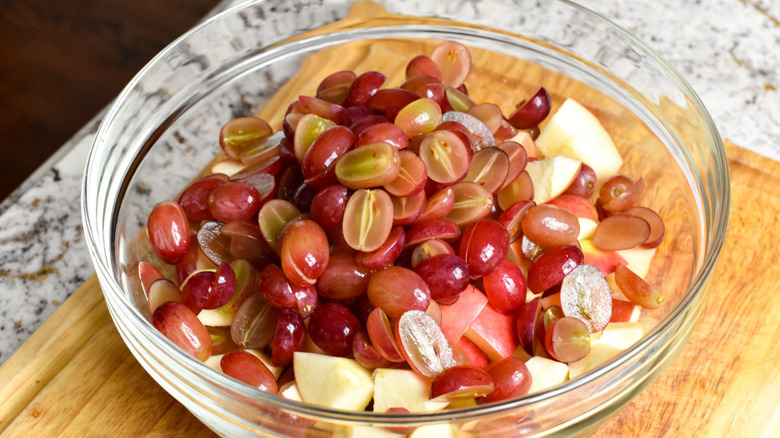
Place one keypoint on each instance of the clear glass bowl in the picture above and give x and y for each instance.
(162, 131)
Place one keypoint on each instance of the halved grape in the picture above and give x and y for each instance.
(213, 243)
(289, 338)
(277, 289)
(489, 114)
(365, 353)
(368, 219)
(412, 175)
(567, 340)
(169, 231)
(390, 101)
(364, 86)
(584, 183)
(425, 86)
(335, 87)
(447, 276)
(454, 61)
(343, 278)
(309, 127)
(246, 137)
(456, 100)
(518, 158)
(445, 155)
(461, 382)
(331, 144)
(657, 227)
(549, 225)
(382, 335)
(370, 165)
(235, 201)
(620, 193)
(386, 132)
(397, 290)
(489, 168)
(248, 368)
(423, 344)
(621, 231)
(429, 249)
(533, 111)
(247, 243)
(419, 117)
(505, 287)
(255, 323)
(439, 229)
(179, 324)
(472, 203)
(437, 205)
(386, 254)
(407, 210)
(511, 379)
(273, 217)
(585, 295)
(637, 290)
(422, 65)
(526, 324)
(161, 291)
(333, 327)
(483, 246)
(512, 219)
(521, 189)
(304, 252)
(552, 266)
(195, 198)
(322, 108)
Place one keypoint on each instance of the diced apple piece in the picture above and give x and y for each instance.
(456, 318)
(290, 391)
(401, 388)
(334, 382)
(624, 310)
(214, 362)
(638, 259)
(606, 261)
(475, 356)
(494, 333)
(546, 373)
(527, 142)
(575, 132)
(615, 338)
(228, 166)
(552, 176)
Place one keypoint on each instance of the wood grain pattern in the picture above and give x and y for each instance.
(75, 377)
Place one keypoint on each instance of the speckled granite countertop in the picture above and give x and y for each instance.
(725, 48)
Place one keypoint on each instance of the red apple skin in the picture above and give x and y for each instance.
(622, 310)
(475, 356)
(577, 205)
(494, 333)
(606, 261)
(456, 318)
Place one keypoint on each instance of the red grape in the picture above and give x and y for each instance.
(169, 231)
(179, 324)
(483, 246)
(397, 290)
(332, 327)
(511, 379)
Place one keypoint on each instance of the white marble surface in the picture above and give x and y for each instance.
(727, 49)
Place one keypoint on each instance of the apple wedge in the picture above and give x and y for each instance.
(494, 333)
(333, 382)
(546, 373)
(614, 339)
(527, 142)
(455, 318)
(400, 388)
(574, 132)
(606, 261)
(552, 176)
(638, 259)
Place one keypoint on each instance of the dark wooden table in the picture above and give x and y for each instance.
(62, 62)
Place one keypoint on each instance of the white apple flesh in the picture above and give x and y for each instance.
(574, 132)
(552, 176)
(614, 339)
(333, 382)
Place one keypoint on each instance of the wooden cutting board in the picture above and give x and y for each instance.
(75, 377)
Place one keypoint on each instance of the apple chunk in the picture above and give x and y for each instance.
(545, 373)
(333, 382)
(494, 333)
(575, 132)
(552, 176)
(400, 388)
(455, 318)
(615, 338)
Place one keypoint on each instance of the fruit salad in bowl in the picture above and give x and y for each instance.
(403, 225)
